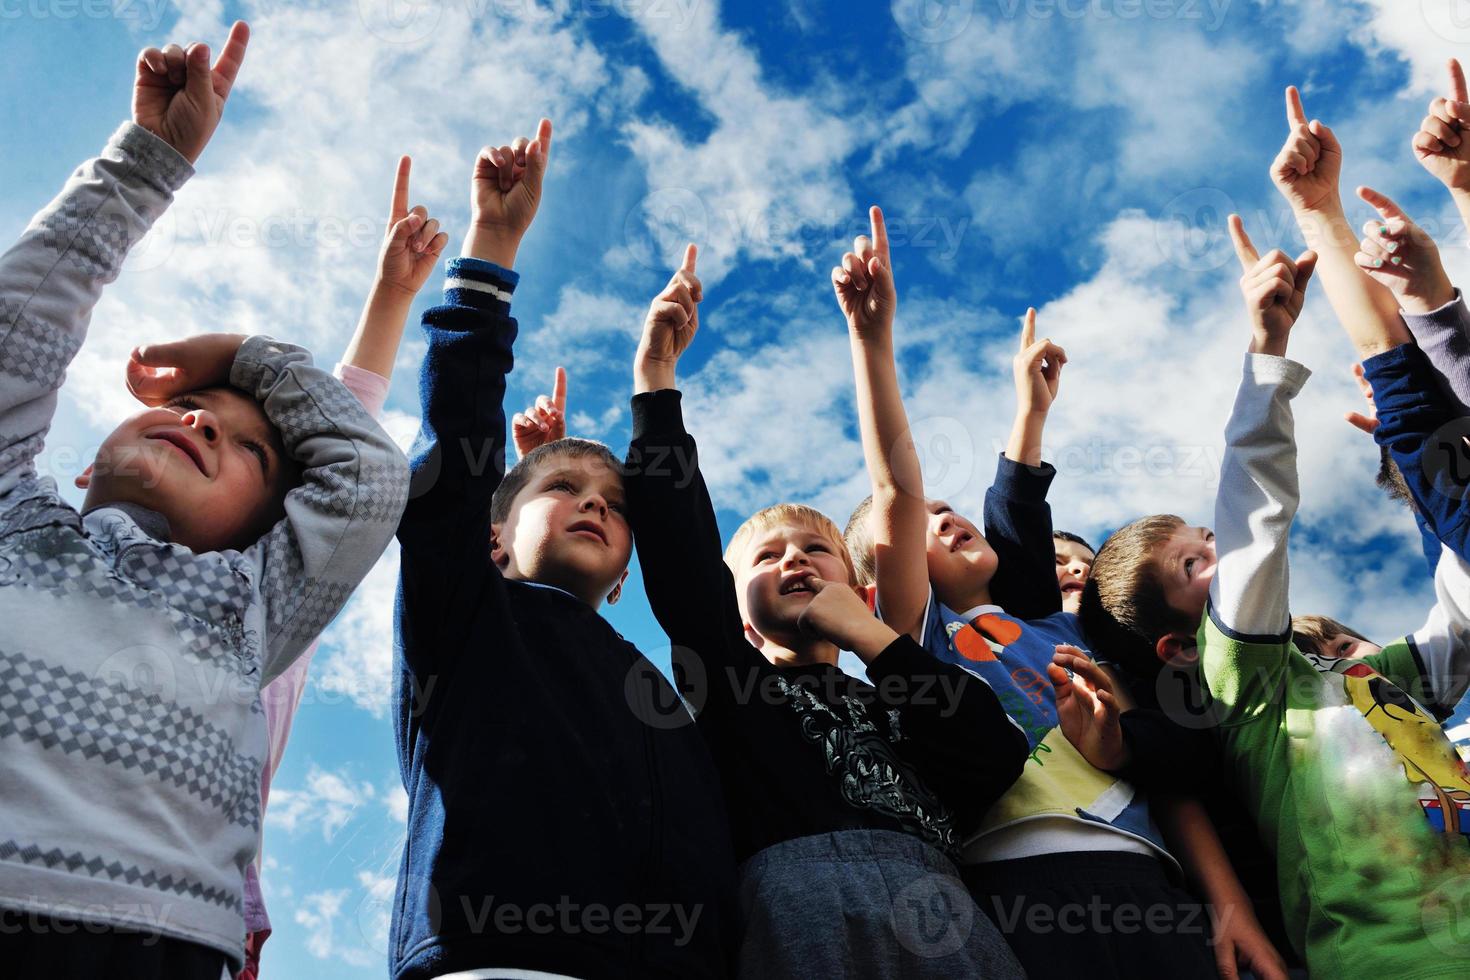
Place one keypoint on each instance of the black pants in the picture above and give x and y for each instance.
(1094, 914)
(42, 947)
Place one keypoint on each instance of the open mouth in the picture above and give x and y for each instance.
(587, 527)
(797, 584)
(960, 540)
(184, 445)
(1071, 587)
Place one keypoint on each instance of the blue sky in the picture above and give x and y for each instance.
(1076, 156)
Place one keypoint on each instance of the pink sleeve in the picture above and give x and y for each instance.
(370, 388)
(281, 696)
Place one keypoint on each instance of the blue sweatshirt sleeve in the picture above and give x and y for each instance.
(1018, 527)
(1415, 419)
(455, 465)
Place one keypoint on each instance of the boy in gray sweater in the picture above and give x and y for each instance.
(223, 527)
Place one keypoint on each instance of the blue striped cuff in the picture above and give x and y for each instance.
(479, 284)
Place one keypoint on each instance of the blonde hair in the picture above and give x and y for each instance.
(796, 515)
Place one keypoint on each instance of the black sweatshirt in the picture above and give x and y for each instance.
(804, 750)
(554, 823)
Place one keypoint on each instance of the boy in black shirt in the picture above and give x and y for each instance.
(847, 800)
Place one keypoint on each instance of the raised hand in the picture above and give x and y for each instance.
(156, 373)
(1440, 144)
(1307, 168)
(179, 98)
(1087, 708)
(864, 282)
(543, 422)
(1400, 255)
(669, 328)
(1037, 368)
(413, 242)
(1368, 423)
(505, 191)
(1274, 288)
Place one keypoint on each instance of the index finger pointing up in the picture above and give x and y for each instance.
(231, 57)
(1028, 328)
(1244, 250)
(691, 255)
(1457, 82)
(400, 191)
(559, 390)
(1296, 115)
(880, 231)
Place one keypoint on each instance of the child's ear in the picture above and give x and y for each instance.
(84, 478)
(617, 590)
(755, 639)
(1176, 648)
(497, 553)
(869, 595)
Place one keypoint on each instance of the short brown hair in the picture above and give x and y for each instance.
(799, 515)
(858, 536)
(520, 474)
(1311, 633)
(1124, 611)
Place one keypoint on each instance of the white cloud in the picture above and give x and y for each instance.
(769, 170)
(395, 801)
(357, 649)
(329, 801)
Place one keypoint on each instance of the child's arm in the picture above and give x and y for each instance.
(1424, 431)
(1306, 173)
(689, 587)
(1017, 517)
(951, 726)
(897, 520)
(1437, 670)
(1441, 146)
(353, 478)
(52, 277)
(411, 247)
(459, 457)
(1257, 496)
(1239, 941)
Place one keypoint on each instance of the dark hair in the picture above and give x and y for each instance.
(858, 537)
(520, 474)
(1124, 611)
(1074, 538)
(1391, 481)
(1311, 633)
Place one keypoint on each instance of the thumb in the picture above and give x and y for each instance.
(1306, 264)
(198, 79)
(160, 355)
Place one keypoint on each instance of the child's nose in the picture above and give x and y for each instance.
(202, 421)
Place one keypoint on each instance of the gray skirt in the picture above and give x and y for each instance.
(863, 903)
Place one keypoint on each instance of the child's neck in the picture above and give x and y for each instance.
(799, 654)
(965, 598)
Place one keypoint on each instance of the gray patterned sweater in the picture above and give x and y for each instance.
(131, 733)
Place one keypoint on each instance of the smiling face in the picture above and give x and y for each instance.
(961, 562)
(208, 461)
(1185, 565)
(771, 568)
(1074, 564)
(567, 527)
